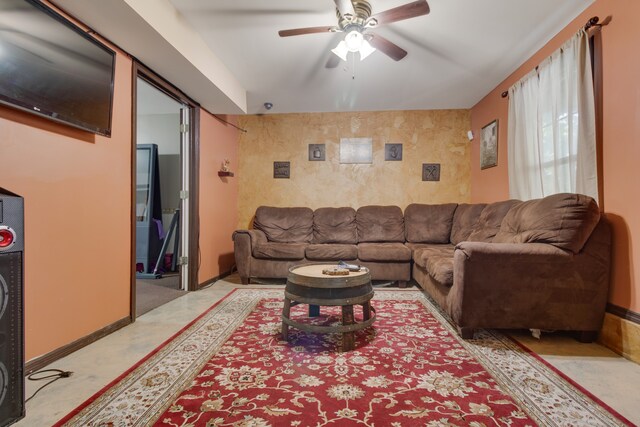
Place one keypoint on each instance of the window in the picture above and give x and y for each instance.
(552, 145)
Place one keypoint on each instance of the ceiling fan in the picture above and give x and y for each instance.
(355, 19)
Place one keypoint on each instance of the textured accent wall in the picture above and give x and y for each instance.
(435, 136)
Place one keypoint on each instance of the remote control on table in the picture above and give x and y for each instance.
(350, 267)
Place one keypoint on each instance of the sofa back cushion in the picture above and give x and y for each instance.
(335, 225)
(465, 220)
(490, 219)
(285, 225)
(562, 220)
(429, 223)
(380, 224)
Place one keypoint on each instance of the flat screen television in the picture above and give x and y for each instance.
(51, 67)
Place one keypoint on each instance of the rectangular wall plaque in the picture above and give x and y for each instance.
(431, 171)
(356, 150)
(282, 170)
(316, 152)
(393, 152)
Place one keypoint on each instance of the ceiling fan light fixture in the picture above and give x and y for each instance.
(341, 50)
(354, 40)
(344, 47)
(366, 49)
(355, 19)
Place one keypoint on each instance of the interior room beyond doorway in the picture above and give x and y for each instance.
(158, 125)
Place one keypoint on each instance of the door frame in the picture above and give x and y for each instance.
(142, 71)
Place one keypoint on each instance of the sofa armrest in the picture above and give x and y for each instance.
(243, 243)
(530, 285)
(255, 236)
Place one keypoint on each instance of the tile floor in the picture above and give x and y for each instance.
(610, 377)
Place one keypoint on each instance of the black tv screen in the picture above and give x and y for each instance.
(50, 67)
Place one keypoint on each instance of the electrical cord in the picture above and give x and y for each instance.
(36, 376)
(229, 123)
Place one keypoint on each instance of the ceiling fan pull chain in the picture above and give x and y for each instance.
(353, 66)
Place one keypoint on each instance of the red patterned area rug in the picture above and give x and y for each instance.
(231, 368)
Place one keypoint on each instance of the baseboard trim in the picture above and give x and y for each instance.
(625, 313)
(214, 279)
(40, 362)
(621, 335)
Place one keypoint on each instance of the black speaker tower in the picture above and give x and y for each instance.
(11, 308)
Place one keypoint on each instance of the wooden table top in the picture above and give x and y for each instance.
(315, 270)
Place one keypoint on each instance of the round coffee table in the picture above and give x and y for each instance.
(306, 284)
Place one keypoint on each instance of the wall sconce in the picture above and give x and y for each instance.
(224, 169)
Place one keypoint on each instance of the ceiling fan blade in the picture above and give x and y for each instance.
(390, 49)
(308, 30)
(345, 7)
(409, 10)
(333, 61)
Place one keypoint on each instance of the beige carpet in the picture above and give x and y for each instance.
(152, 293)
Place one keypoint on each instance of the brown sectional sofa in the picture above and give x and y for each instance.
(372, 236)
(540, 264)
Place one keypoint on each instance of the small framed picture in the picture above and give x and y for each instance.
(393, 152)
(489, 145)
(282, 170)
(316, 152)
(431, 171)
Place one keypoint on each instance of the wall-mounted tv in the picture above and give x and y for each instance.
(51, 67)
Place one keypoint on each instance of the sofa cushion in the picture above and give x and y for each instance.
(272, 250)
(562, 220)
(437, 259)
(285, 225)
(490, 219)
(331, 251)
(440, 268)
(389, 252)
(421, 255)
(429, 223)
(380, 224)
(416, 246)
(335, 225)
(464, 221)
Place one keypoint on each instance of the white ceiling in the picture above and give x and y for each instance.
(456, 54)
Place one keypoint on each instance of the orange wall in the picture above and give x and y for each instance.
(77, 189)
(218, 196)
(621, 138)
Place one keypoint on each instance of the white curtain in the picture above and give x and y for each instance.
(552, 134)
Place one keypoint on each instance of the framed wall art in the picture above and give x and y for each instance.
(356, 150)
(282, 170)
(316, 152)
(393, 152)
(489, 145)
(431, 171)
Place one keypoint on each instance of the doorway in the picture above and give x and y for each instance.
(163, 176)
